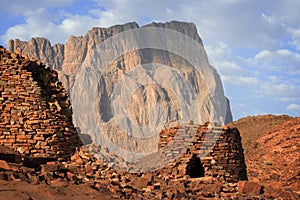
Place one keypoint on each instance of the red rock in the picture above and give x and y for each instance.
(212, 188)
(4, 165)
(101, 184)
(288, 195)
(194, 185)
(89, 170)
(76, 170)
(139, 183)
(58, 183)
(148, 176)
(77, 159)
(71, 176)
(250, 188)
(51, 168)
(33, 179)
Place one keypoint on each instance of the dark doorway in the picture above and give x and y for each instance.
(194, 167)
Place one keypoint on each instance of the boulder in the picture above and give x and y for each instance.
(250, 188)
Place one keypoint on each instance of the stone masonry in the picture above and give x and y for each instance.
(35, 113)
(212, 151)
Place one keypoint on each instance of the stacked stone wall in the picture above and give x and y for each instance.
(35, 113)
(218, 149)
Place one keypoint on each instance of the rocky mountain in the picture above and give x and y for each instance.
(134, 80)
(272, 152)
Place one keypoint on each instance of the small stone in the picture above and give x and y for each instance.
(33, 179)
(250, 188)
(147, 189)
(21, 150)
(72, 177)
(4, 165)
(77, 159)
(59, 183)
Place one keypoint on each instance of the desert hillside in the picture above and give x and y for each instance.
(254, 127)
(272, 152)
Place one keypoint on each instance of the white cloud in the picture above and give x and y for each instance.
(241, 24)
(242, 81)
(41, 24)
(262, 55)
(295, 37)
(288, 99)
(20, 7)
(293, 107)
(221, 20)
(222, 59)
(281, 60)
(279, 90)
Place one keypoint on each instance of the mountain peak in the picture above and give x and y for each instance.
(172, 89)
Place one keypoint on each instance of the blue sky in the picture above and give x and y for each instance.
(254, 45)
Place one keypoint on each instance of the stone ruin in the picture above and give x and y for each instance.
(212, 152)
(36, 120)
(35, 113)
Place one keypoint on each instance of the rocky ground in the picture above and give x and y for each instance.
(253, 127)
(272, 153)
(272, 165)
(84, 177)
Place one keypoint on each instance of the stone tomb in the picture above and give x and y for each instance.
(212, 151)
(35, 113)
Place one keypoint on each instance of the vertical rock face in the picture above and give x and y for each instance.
(69, 60)
(41, 49)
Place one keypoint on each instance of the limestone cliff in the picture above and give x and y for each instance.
(72, 58)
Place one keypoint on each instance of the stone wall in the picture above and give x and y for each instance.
(35, 113)
(212, 151)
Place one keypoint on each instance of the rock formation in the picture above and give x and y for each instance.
(165, 91)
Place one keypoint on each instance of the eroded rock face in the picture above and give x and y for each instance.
(71, 61)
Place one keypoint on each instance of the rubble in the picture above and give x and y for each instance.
(169, 182)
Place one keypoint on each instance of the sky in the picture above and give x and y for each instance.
(254, 45)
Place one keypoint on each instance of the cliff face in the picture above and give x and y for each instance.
(71, 61)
